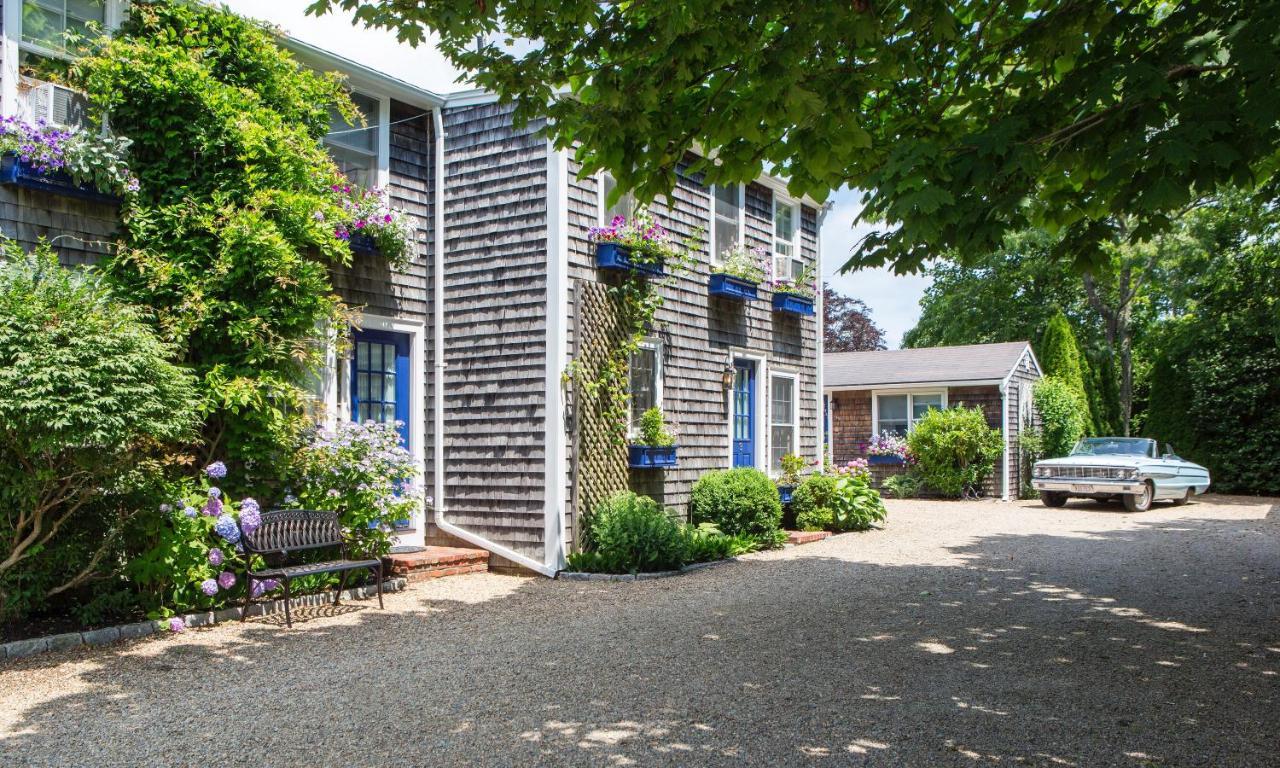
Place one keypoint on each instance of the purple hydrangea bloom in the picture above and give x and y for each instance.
(217, 470)
(189, 511)
(215, 492)
(165, 508)
(215, 557)
(262, 587)
(226, 580)
(213, 507)
(250, 517)
(177, 625)
(226, 528)
(209, 587)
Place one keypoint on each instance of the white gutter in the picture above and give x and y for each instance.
(438, 356)
(820, 345)
(1004, 423)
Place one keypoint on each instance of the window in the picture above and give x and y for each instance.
(625, 206)
(45, 22)
(726, 219)
(787, 263)
(354, 147)
(898, 413)
(782, 415)
(646, 380)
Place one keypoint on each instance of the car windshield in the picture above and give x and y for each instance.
(1114, 446)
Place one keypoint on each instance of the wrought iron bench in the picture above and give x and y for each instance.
(284, 532)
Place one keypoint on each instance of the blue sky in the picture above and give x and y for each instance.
(894, 300)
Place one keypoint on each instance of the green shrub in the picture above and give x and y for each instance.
(1061, 416)
(837, 503)
(811, 502)
(705, 543)
(737, 501)
(904, 486)
(653, 429)
(632, 534)
(815, 519)
(1060, 357)
(954, 450)
(85, 389)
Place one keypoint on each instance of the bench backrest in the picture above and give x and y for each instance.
(292, 530)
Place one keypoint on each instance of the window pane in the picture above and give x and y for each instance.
(783, 400)
(894, 427)
(726, 235)
(626, 204)
(644, 385)
(42, 25)
(782, 444)
(797, 269)
(920, 404)
(355, 135)
(784, 222)
(355, 165)
(727, 210)
(892, 408)
(727, 203)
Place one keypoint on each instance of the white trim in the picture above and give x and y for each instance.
(654, 343)
(359, 77)
(820, 311)
(1004, 438)
(911, 395)
(760, 442)
(555, 463)
(794, 376)
(383, 170)
(921, 385)
(9, 75)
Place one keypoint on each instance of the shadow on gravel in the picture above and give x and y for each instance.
(1150, 646)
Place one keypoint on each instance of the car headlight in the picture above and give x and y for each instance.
(1131, 474)
(1039, 471)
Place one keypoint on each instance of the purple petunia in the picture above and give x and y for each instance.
(177, 625)
(209, 587)
(226, 528)
(226, 580)
(216, 471)
(215, 557)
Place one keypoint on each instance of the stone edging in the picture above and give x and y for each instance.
(19, 648)
(575, 576)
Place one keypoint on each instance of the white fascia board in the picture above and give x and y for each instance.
(918, 385)
(363, 78)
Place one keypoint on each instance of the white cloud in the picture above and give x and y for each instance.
(894, 300)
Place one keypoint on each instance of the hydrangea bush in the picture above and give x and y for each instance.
(364, 473)
(369, 214)
(852, 468)
(86, 157)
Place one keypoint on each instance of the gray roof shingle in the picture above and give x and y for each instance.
(972, 362)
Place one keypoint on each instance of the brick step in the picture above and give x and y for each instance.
(435, 562)
(806, 537)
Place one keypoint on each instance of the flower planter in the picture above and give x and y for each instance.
(618, 257)
(891, 461)
(730, 287)
(364, 245)
(792, 304)
(785, 493)
(19, 173)
(651, 456)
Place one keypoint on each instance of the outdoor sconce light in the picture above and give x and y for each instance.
(726, 377)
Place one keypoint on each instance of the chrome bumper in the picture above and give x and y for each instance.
(1086, 486)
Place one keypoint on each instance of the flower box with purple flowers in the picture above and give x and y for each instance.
(651, 456)
(886, 461)
(730, 287)
(619, 257)
(17, 172)
(792, 303)
(364, 245)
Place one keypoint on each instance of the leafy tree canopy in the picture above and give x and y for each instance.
(847, 324)
(963, 121)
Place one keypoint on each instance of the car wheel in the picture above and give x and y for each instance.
(1186, 497)
(1139, 502)
(1053, 499)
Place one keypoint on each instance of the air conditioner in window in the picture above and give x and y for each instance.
(56, 105)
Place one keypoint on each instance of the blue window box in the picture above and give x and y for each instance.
(651, 456)
(792, 304)
(364, 245)
(730, 287)
(618, 257)
(20, 173)
(785, 492)
(886, 461)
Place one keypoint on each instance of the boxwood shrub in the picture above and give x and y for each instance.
(738, 501)
(955, 450)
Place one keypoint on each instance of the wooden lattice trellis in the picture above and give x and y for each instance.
(599, 457)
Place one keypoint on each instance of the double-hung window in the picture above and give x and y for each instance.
(898, 413)
(354, 147)
(787, 264)
(782, 419)
(726, 219)
(645, 380)
(626, 205)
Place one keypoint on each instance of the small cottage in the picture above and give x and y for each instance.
(870, 393)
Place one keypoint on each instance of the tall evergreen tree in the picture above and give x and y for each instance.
(1059, 356)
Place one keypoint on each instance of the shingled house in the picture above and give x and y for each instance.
(868, 393)
(479, 328)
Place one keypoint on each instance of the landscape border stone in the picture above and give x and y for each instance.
(105, 635)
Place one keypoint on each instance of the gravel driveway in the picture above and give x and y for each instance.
(962, 634)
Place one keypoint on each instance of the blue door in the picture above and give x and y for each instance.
(744, 414)
(380, 379)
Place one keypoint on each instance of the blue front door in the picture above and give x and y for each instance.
(380, 380)
(744, 414)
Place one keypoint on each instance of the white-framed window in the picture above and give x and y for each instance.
(783, 419)
(626, 205)
(45, 23)
(356, 148)
(645, 380)
(787, 263)
(898, 412)
(726, 219)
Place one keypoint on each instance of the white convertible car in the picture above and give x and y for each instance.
(1128, 468)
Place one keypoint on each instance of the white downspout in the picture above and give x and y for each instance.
(820, 345)
(437, 116)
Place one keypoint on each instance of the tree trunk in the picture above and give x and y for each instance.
(1118, 331)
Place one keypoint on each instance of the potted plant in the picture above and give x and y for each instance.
(655, 446)
(887, 448)
(372, 225)
(638, 244)
(740, 270)
(792, 466)
(794, 296)
(64, 161)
